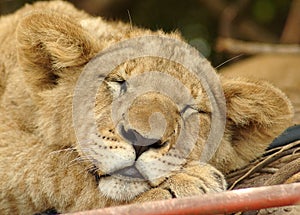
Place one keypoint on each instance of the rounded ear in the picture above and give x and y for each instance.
(256, 103)
(257, 112)
(47, 43)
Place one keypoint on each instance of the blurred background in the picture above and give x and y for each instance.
(205, 24)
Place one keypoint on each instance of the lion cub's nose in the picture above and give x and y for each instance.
(138, 141)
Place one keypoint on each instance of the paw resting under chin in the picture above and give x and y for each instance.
(193, 180)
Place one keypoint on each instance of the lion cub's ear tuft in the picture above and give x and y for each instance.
(257, 112)
(48, 43)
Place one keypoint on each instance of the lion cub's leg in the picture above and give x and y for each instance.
(195, 179)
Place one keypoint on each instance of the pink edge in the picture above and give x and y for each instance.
(220, 203)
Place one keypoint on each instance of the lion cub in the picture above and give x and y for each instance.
(43, 165)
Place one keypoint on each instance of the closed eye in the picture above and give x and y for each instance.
(159, 144)
(189, 109)
(186, 108)
(123, 85)
(118, 87)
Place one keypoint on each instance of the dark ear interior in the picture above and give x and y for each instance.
(48, 43)
(257, 112)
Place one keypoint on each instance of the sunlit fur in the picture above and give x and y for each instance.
(44, 48)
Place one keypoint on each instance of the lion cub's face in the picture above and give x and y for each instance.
(142, 146)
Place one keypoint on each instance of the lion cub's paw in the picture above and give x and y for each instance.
(195, 179)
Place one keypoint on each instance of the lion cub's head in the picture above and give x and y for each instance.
(138, 149)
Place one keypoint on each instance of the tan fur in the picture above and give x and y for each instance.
(44, 49)
(281, 70)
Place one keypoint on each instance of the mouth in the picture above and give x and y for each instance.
(124, 184)
(131, 172)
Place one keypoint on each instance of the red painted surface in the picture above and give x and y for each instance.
(220, 203)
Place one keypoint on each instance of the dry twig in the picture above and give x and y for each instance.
(284, 173)
(237, 46)
(269, 159)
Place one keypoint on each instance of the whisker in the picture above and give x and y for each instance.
(227, 61)
(63, 151)
(91, 168)
(130, 20)
(80, 159)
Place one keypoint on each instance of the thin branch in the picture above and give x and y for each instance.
(284, 173)
(238, 46)
(271, 158)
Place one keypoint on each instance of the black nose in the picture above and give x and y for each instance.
(139, 142)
